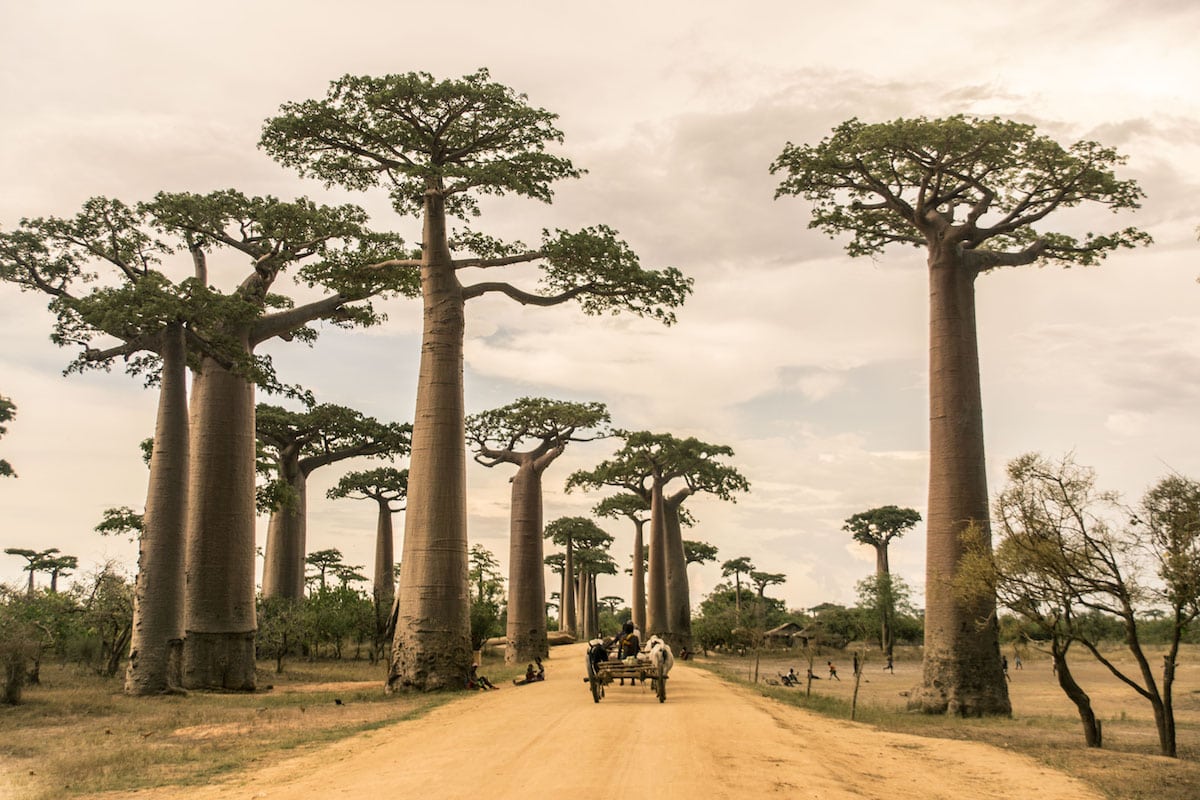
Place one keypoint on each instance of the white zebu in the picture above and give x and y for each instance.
(659, 653)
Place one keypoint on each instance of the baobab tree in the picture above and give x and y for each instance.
(35, 561)
(545, 427)
(698, 552)
(762, 580)
(8, 410)
(301, 442)
(386, 486)
(646, 465)
(637, 510)
(436, 147)
(877, 527)
(143, 317)
(350, 265)
(557, 562)
(737, 567)
(589, 562)
(585, 544)
(905, 182)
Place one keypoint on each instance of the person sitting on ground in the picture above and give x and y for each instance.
(812, 677)
(684, 653)
(477, 681)
(541, 670)
(792, 679)
(530, 677)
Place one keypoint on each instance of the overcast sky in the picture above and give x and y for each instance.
(811, 365)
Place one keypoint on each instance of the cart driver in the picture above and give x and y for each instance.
(627, 643)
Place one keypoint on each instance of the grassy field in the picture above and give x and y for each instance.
(77, 735)
(1044, 724)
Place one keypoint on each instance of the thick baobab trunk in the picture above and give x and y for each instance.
(525, 634)
(157, 637)
(679, 604)
(584, 619)
(657, 608)
(287, 533)
(962, 673)
(593, 605)
(638, 594)
(432, 645)
(384, 585)
(570, 622)
(218, 650)
(887, 602)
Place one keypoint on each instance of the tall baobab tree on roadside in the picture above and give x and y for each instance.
(877, 527)
(386, 486)
(157, 325)
(351, 265)
(637, 510)
(301, 442)
(436, 147)
(647, 465)
(548, 426)
(974, 193)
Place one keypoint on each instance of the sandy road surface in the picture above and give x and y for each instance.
(709, 740)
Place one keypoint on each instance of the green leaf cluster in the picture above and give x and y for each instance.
(459, 138)
(905, 182)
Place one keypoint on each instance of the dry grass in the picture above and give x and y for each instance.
(1044, 725)
(77, 734)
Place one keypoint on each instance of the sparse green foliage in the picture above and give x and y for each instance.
(1069, 551)
(698, 552)
(121, 521)
(8, 410)
(901, 182)
(488, 596)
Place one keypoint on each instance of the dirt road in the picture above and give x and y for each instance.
(709, 740)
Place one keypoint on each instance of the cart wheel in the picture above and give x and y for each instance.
(661, 682)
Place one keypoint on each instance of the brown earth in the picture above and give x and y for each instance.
(709, 740)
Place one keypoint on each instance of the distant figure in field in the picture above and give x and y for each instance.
(812, 677)
(833, 676)
(1017, 661)
(890, 668)
(1004, 667)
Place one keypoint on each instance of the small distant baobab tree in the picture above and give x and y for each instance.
(975, 194)
(436, 147)
(545, 427)
(877, 527)
(646, 465)
(737, 567)
(387, 487)
(301, 442)
(637, 510)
